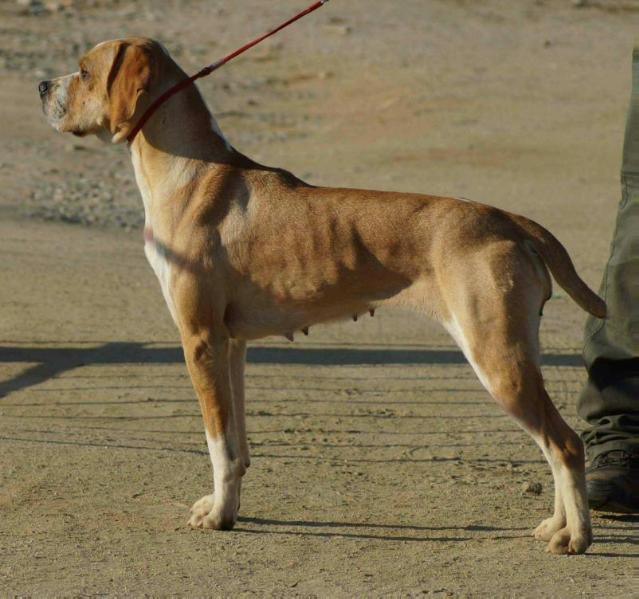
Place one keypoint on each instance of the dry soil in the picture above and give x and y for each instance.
(380, 465)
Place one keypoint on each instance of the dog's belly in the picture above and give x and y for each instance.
(278, 296)
(260, 312)
(254, 323)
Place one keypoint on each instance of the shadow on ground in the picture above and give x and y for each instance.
(50, 362)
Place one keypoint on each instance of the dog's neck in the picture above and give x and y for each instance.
(170, 150)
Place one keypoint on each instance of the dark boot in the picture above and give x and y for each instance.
(613, 481)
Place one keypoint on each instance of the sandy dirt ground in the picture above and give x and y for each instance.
(380, 465)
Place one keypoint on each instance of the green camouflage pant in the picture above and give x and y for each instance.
(610, 401)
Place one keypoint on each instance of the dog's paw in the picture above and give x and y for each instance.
(199, 510)
(205, 514)
(566, 542)
(546, 530)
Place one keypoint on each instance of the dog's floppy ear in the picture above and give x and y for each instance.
(128, 82)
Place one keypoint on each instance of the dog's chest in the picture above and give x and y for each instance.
(155, 250)
(161, 266)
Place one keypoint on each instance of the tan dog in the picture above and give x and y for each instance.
(243, 251)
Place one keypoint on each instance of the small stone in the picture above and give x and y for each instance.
(31, 7)
(340, 29)
(532, 487)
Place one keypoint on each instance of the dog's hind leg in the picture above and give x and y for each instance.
(498, 333)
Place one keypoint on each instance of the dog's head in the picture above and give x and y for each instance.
(109, 92)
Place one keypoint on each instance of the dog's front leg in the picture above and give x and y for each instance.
(237, 357)
(207, 358)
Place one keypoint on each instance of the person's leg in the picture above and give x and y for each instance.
(610, 400)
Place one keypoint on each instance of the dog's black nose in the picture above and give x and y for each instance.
(43, 87)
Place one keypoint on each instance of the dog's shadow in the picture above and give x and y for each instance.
(415, 534)
(333, 529)
(51, 362)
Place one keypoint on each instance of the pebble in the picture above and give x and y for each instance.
(340, 29)
(31, 7)
(532, 487)
(87, 202)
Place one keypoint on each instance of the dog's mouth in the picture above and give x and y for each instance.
(54, 111)
(53, 107)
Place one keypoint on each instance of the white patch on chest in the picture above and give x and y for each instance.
(162, 269)
(153, 249)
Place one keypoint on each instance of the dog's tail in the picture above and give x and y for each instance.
(563, 270)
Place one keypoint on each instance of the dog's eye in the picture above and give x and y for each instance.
(84, 75)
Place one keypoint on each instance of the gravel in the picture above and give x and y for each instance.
(86, 202)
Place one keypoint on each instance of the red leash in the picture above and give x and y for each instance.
(213, 67)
